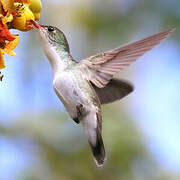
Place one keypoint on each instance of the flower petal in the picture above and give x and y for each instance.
(22, 22)
(2, 63)
(23, 1)
(8, 50)
(7, 4)
(5, 34)
(11, 45)
(7, 18)
(1, 8)
(10, 53)
(35, 6)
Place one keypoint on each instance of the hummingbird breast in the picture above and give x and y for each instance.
(73, 90)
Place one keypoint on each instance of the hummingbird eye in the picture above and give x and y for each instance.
(50, 29)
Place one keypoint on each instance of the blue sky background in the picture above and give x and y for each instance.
(154, 105)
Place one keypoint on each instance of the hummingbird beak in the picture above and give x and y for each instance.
(35, 24)
(40, 28)
(42, 32)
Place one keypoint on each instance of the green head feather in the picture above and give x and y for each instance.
(55, 37)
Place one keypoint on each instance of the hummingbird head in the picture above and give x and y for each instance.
(52, 36)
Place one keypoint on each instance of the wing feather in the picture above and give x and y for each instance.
(115, 90)
(98, 67)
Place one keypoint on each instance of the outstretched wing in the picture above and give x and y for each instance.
(100, 68)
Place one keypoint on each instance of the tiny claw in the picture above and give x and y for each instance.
(76, 120)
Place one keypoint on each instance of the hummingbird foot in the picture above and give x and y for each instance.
(79, 109)
(76, 120)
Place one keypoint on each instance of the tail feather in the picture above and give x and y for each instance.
(98, 149)
(93, 131)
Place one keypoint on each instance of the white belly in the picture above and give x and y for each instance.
(69, 92)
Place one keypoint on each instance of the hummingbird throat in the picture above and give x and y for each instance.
(59, 57)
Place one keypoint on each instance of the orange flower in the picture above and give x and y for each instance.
(7, 43)
(9, 46)
(5, 34)
(15, 14)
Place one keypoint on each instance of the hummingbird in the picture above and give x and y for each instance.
(86, 85)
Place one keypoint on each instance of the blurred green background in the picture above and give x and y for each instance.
(38, 140)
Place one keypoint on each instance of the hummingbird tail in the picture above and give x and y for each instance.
(92, 128)
(98, 149)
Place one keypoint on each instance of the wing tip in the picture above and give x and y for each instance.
(169, 31)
